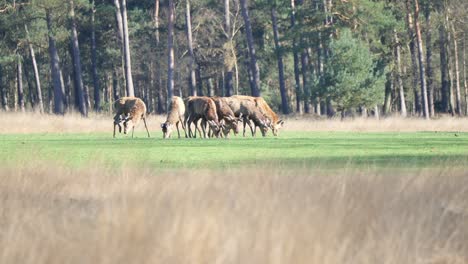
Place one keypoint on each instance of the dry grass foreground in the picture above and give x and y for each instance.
(54, 214)
(74, 123)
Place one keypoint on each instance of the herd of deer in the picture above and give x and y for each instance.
(218, 115)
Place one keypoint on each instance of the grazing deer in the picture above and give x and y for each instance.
(174, 117)
(129, 111)
(204, 108)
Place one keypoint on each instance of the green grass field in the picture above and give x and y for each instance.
(324, 149)
(307, 196)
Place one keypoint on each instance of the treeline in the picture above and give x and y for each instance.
(323, 57)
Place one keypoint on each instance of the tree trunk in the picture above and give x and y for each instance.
(55, 69)
(305, 80)
(97, 90)
(414, 65)
(19, 80)
(170, 53)
(422, 72)
(36, 73)
(388, 94)
(429, 72)
(464, 74)
(31, 97)
(120, 35)
(450, 72)
(79, 88)
(115, 85)
(284, 99)
(199, 80)
(297, 80)
(68, 91)
(401, 90)
(228, 82)
(188, 29)
(255, 87)
(445, 104)
(159, 88)
(3, 92)
(126, 41)
(458, 108)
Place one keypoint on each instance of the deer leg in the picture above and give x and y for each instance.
(144, 122)
(244, 121)
(177, 126)
(114, 129)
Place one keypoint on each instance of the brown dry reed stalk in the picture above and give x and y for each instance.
(74, 123)
(55, 214)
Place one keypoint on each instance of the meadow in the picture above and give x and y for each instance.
(324, 191)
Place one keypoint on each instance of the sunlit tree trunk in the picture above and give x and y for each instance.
(284, 99)
(120, 35)
(159, 89)
(429, 71)
(126, 41)
(188, 29)
(464, 74)
(401, 91)
(97, 90)
(228, 77)
(37, 80)
(458, 107)
(422, 72)
(414, 64)
(170, 53)
(255, 87)
(19, 81)
(297, 78)
(450, 70)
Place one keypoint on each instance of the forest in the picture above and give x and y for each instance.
(319, 57)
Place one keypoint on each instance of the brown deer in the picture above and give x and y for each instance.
(174, 117)
(129, 111)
